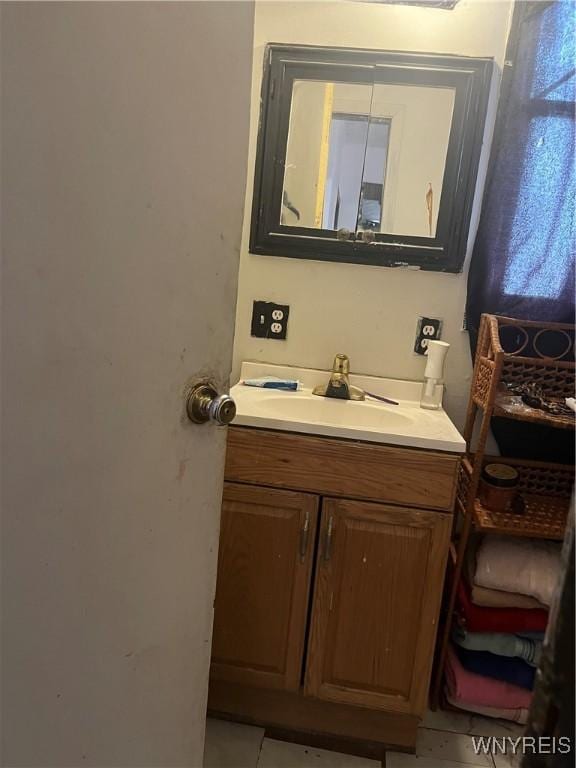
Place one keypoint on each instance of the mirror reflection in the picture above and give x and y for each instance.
(366, 157)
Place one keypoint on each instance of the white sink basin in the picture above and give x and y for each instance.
(310, 408)
(370, 420)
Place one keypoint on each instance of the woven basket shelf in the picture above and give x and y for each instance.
(544, 488)
(543, 518)
(521, 359)
(511, 407)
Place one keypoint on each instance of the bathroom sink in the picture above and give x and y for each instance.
(306, 407)
(369, 420)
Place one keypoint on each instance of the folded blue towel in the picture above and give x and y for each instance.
(500, 643)
(488, 664)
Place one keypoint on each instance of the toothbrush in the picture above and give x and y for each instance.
(382, 399)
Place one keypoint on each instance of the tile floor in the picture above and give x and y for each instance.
(444, 741)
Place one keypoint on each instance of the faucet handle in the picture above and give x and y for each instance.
(341, 365)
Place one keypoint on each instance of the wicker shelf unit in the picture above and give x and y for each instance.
(508, 355)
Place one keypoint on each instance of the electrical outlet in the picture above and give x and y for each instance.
(269, 321)
(428, 328)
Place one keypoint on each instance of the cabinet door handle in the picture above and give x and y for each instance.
(328, 540)
(304, 534)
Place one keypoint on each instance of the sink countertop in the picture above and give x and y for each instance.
(405, 424)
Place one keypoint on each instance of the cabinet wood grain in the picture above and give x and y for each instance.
(344, 468)
(376, 601)
(264, 568)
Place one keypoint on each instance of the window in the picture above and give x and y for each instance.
(542, 232)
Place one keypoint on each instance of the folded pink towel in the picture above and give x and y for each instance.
(527, 566)
(480, 690)
(516, 715)
(495, 598)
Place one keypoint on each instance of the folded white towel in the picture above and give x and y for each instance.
(527, 566)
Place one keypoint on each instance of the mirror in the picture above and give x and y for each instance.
(368, 156)
(327, 140)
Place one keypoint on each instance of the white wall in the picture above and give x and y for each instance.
(370, 313)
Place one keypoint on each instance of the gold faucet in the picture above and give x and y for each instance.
(339, 383)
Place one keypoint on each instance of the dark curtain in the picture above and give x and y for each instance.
(523, 260)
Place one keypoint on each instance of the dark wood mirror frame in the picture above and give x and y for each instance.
(470, 78)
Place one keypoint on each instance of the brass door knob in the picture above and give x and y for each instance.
(205, 404)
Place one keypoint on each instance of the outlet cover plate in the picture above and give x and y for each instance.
(269, 320)
(427, 329)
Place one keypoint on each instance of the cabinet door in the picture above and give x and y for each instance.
(262, 593)
(376, 604)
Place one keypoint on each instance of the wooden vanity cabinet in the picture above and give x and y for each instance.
(330, 575)
(264, 567)
(376, 600)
